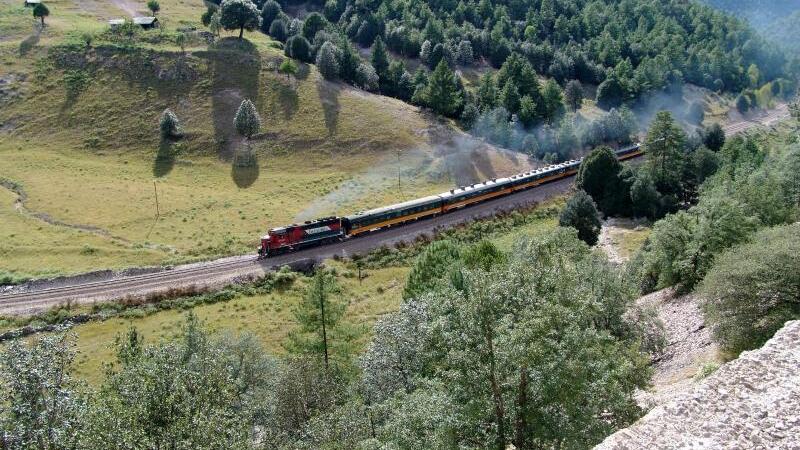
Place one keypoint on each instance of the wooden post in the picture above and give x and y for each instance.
(155, 189)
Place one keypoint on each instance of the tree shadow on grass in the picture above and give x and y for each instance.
(329, 98)
(165, 159)
(288, 100)
(244, 168)
(28, 43)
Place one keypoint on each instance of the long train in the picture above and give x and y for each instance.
(331, 229)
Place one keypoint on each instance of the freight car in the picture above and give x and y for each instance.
(331, 229)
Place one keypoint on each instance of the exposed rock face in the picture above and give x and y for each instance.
(751, 402)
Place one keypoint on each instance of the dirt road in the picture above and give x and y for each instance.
(107, 286)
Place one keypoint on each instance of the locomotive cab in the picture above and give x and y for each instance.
(263, 249)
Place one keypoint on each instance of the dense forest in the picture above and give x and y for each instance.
(548, 54)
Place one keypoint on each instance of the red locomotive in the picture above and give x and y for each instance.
(298, 236)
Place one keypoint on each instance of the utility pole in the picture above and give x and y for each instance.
(155, 189)
(399, 189)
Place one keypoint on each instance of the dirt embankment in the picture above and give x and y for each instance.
(689, 350)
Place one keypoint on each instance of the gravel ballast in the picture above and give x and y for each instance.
(750, 402)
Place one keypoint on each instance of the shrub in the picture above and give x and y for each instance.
(752, 290)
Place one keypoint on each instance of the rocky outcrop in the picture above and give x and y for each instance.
(751, 402)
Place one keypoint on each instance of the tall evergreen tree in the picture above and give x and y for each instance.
(318, 316)
(442, 93)
(664, 146)
(247, 121)
(380, 59)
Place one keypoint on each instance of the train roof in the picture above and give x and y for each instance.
(307, 223)
(474, 187)
(383, 209)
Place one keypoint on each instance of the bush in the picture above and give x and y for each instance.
(297, 47)
(752, 290)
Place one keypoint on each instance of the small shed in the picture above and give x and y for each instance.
(114, 23)
(146, 22)
(32, 3)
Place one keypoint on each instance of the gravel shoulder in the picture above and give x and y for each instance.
(750, 402)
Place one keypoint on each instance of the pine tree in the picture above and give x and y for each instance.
(380, 59)
(169, 125)
(247, 121)
(665, 156)
(327, 61)
(573, 95)
(318, 316)
(442, 94)
(552, 100)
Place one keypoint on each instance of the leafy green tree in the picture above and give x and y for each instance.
(664, 146)
(487, 92)
(573, 95)
(528, 111)
(270, 11)
(241, 15)
(205, 18)
(277, 30)
(247, 120)
(367, 78)
(683, 245)
(645, 199)
(509, 97)
(41, 11)
(328, 61)
(380, 58)
(215, 24)
(442, 93)
(581, 213)
(169, 125)
(552, 100)
(742, 103)
(702, 164)
(297, 47)
(714, 137)
(752, 290)
(313, 24)
(153, 6)
(41, 406)
(288, 68)
(150, 398)
(599, 176)
(610, 93)
(318, 316)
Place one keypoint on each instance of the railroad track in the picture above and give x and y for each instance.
(221, 272)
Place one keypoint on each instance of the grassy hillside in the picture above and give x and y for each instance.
(79, 141)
